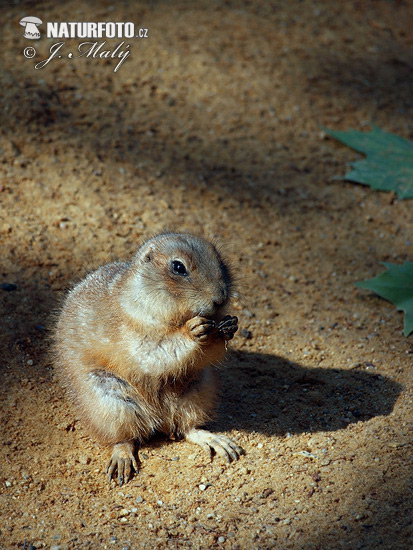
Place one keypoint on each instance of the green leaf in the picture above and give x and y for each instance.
(395, 285)
(389, 162)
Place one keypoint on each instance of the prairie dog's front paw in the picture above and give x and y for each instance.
(200, 328)
(228, 326)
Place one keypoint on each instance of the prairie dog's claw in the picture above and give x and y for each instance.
(200, 328)
(123, 462)
(228, 326)
(220, 444)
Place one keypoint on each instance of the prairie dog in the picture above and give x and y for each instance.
(135, 344)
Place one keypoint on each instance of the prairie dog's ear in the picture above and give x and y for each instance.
(145, 253)
(148, 256)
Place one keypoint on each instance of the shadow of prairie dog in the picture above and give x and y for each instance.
(135, 343)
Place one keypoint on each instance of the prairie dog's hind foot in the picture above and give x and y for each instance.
(123, 462)
(220, 444)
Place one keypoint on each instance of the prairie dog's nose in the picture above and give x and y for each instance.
(220, 298)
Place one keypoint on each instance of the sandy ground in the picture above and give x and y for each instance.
(214, 124)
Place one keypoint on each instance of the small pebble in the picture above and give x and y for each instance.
(29, 362)
(139, 499)
(260, 445)
(8, 286)
(7, 483)
(202, 487)
(124, 512)
(123, 520)
(221, 539)
(159, 502)
(133, 510)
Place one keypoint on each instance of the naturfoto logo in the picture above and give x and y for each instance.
(94, 30)
(30, 25)
(89, 29)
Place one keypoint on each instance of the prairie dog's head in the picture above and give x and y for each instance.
(176, 276)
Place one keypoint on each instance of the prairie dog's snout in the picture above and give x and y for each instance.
(135, 344)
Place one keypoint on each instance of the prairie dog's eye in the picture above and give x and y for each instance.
(178, 268)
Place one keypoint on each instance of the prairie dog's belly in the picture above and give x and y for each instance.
(132, 357)
(157, 356)
(152, 405)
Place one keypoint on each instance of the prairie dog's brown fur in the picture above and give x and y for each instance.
(135, 343)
